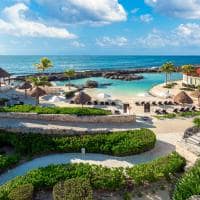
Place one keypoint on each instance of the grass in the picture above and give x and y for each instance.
(183, 114)
(56, 110)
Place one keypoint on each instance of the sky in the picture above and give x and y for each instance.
(99, 27)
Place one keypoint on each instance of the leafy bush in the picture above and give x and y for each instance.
(23, 192)
(196, 121)
(7, 161)
(73, 189)
(117, 143)
(170, 85)
(189, 184)
(98, 176)
(69, 94)
(55, 110)
(157, 169)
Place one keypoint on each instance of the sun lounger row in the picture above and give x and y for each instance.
(176, 110)
(187, 109)
(154, 103)
(102, 103)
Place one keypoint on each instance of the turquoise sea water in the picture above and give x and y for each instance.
(129, 88)
(19, 65)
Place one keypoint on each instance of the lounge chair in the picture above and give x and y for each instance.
(113, 103)
(187, 109)
(160, 103)
(182, 110)
(193, 108)
(117, 112)
(137, 103)
(71, 102)
(142, 103)
(164, 112)
(175, 110)
(102, 103)
(89, 103)
(107, 103)
(154, 103)
(95, 102)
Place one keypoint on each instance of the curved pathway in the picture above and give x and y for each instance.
(161, 149)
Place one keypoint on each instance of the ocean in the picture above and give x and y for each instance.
(19, 65)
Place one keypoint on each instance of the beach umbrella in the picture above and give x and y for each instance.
(82, 98)
(183, 98)
(195, 94)
(103, 96)
(56, 99)
(25, 86)
(3, 74)
(37, 93)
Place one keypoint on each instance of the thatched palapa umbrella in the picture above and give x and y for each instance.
(37, 93)
(82, 98)
(183, 98)
(3, 74)
(195, 94)
(25, 86)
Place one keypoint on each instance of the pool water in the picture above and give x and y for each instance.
(126, 88)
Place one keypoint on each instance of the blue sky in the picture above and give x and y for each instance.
(101, 27)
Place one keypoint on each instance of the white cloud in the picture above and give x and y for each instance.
(135, 10)
(15, 23)
(78, 44)
(188, 9)
(84, 11)
(184, 35)
(108, 41)
(146, 18)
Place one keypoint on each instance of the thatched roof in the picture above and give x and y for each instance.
(25, 86)
(183, 98)
(82, 98)
(196, 94)
(3, 73)
(37, 92)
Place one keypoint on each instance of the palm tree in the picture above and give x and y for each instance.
(44, 64)
(167, 68)
(70, 74)
(37, 82)
(188, 69)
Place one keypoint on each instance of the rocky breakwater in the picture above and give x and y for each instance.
(125, 76)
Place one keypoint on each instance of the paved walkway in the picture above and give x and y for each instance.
(158, 126)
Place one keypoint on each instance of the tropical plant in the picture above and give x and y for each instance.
(188, 70)
(39, 81)
(196, 122)
(70, 74)
(44, 64)
(167, 68)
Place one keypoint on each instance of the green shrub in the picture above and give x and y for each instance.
(157, 169)
(55, 110)
(7, 161)
(196, 121)
(23, 192)
(117, 143)
(98, 176)
(73, 189)
(69, 94)
(189, 184)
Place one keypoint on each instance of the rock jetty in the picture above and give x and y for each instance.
(122, 76)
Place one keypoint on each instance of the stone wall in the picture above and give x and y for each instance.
(71, 118)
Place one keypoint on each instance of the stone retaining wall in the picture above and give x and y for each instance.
(71, 118)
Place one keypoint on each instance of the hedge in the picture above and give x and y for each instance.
(6, 161)
(98, 176)
(55, 110)
(73, 189)
(157, 169)
(117, 143)
(22, 192)
(189, 184)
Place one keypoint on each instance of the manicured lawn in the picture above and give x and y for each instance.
(56, 110)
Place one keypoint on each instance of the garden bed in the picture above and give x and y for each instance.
(100, 178)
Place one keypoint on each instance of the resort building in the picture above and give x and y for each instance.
(192, 79)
